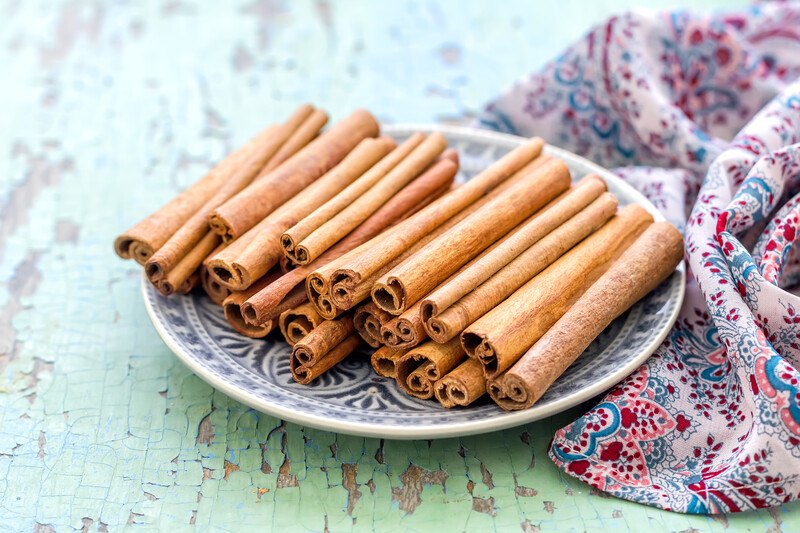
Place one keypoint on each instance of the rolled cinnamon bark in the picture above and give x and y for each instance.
(407, 283)
(346, 292)
(502, 335)
(190, 233)
(220, 264)
(384, 361)
(525, 236)
(362, 207)
(306, 374)
(364, 261)
(142, 240)
(263, 251)
(176, 278)
(368, 320)
(251, 205)
(298, 322)
(318, 282)
(302, 134)
(232, 307)
(326, 307)
(427, 363)
(344, 295)
(190, 283)
(447, 324)
(286, 265)
(418, 384)
(406, 330)
(350, 194)
(649, 261)
(215, 292)
(322, 339)
(462, 386)
(407, 200)
(442, 171)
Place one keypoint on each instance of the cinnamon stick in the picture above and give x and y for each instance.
(298, 322)
(431, 182)
(368, 320)
(347, 288)
(215, 292)
(176, 278)
(251, 205)
(320, 340)
(190, 283)
(407, 283)
(141, 241)
(232, 307)
(364, 261)
(502, 335)
(462, 386)
(318, 282)
(322, 238)
(302, 134)
(350, 194)
(443, 325)
(306, 374)
(220, 266)
(384, 361)
(530, 231)
(326, 307)
(263, 250)
(406, 330)
(193, 230)
(649, 261)
(286, 264)
(422, 366)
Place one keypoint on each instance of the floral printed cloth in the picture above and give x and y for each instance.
(708, 110)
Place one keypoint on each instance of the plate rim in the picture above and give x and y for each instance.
(456, 429)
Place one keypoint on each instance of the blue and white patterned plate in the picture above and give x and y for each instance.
(351, 398)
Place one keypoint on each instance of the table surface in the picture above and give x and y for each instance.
(107, 110)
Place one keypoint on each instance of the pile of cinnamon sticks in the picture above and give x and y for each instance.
(494, 286)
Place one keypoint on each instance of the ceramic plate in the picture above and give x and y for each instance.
(351, 398)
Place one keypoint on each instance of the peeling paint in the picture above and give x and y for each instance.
(413, 479)
(349, 472)
(484, 505)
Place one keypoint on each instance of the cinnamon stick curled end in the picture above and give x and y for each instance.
(462, 386)
(129, 246)
(368, 320)
(384, 361)
(305, 374)
(232, 307)
(296, 323)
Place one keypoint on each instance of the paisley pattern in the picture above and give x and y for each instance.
(707, 106)
(352, 399)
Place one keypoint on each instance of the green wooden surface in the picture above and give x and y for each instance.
(108, 109)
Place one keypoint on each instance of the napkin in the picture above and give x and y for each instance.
(702, 114)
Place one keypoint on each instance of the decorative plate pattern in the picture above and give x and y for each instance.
(351, 398)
